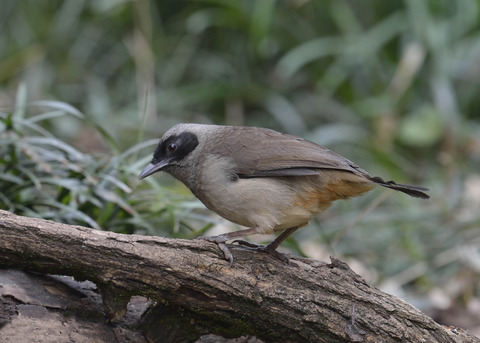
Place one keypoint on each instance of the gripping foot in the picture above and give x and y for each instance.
(268, 249)
(220, 241)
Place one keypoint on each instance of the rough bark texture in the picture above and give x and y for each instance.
(197, 293)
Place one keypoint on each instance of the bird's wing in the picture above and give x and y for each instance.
(259, 152)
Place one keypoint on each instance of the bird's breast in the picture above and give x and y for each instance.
(272, 203)
(264, 203)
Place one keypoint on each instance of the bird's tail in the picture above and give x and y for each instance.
(414, 191)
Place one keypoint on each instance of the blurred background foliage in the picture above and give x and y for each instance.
(88, 86)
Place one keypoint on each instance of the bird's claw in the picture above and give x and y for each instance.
(220, 241)
(268, 249)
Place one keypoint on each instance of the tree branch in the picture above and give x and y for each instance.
(198, 293)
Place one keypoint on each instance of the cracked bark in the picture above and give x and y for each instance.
(197, 293)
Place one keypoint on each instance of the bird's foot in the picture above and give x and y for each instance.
(220, 241)
(268, 248)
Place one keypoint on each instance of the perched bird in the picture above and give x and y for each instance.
(260, 178)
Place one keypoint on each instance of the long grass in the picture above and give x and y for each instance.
(44, 176)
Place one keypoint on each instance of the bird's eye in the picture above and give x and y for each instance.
(172, 147)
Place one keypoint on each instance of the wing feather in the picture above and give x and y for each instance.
(259, 152)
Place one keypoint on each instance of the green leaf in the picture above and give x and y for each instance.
(422, 128)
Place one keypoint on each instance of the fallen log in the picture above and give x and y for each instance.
(196, 292)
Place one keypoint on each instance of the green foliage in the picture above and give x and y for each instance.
(43, 176)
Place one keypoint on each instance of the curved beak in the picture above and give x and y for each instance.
(152, 168)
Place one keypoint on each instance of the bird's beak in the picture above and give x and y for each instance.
(152, 168)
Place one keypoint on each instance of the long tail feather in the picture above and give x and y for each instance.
(414, 191)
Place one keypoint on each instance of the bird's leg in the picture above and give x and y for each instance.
(271, 248)
(221, 239)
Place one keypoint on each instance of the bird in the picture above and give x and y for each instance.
(259, 178)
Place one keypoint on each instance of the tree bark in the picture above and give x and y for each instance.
(197, 293)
